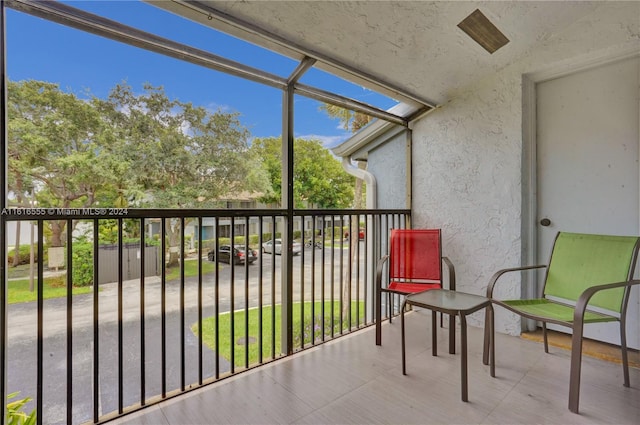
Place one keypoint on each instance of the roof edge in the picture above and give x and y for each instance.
(372, 131)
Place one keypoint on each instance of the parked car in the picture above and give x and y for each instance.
(239, 254)
(276, 246)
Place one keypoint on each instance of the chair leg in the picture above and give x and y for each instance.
(404, 356)
(485, 346)
(390, 306)
(544, 337)
(576, 364)
(378, 313)
(625, 358)
(492, 342)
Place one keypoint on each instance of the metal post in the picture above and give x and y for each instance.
(287, 237)
(287, 201)
(3, 223)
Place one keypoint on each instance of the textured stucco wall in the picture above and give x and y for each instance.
(467, 156)
(388, 162)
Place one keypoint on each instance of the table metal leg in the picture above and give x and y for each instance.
(434, 335)
(452, 334)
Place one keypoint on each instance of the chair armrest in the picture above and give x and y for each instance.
(497, 275)
(379, 269)
(583, 300)
(452, 273)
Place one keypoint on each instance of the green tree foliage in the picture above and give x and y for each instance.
(181, 155)
(349, 120)
(59, 145)
(319, 180)
(130, 149)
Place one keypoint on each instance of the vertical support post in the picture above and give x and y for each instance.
(143, 353)
(120, 321)
(69, 320)
(287, 237)
(3, 223)
(40, 330)
(96, 327)
(163, 305)
(287, 201)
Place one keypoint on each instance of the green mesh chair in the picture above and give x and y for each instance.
(588, 280)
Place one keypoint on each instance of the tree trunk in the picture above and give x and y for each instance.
(16, 247)
(173, 234)
(57, 228)
(31, 259)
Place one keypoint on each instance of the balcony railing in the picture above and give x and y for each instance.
(157, 330)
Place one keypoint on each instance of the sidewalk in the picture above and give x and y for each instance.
(47, 273)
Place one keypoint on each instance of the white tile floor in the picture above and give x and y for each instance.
(353, 381)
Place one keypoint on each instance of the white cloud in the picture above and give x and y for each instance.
(327, 141)
(217, 107)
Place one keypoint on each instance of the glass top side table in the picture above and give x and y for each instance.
(453, 303)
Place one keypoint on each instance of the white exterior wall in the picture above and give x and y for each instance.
(25, 233)
(467, 156)
(388, 162)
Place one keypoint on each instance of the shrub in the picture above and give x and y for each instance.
(82, 264)
(24, 254)
(268, 236)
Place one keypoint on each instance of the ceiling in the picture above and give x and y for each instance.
(415, 47)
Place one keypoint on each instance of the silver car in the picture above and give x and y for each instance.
(275, 245)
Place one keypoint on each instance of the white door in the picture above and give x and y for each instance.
(587, 165)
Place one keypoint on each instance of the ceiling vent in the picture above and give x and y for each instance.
(483, 32)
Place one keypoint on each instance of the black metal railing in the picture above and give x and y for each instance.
(179, 321)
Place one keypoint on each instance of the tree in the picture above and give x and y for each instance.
(127, 150)
(59, 146)
(351, 121)
(182, 156)
(318, 178)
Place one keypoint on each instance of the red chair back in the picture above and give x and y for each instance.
(415, 255)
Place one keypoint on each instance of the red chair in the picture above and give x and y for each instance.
(414, 265)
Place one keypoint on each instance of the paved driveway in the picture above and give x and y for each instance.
(22, 335)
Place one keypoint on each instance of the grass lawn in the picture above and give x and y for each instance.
(54, 287)
(190, 269)
(225, 343)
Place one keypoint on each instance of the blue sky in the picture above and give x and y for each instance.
(78, 61)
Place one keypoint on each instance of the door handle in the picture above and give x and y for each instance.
(545, 222)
